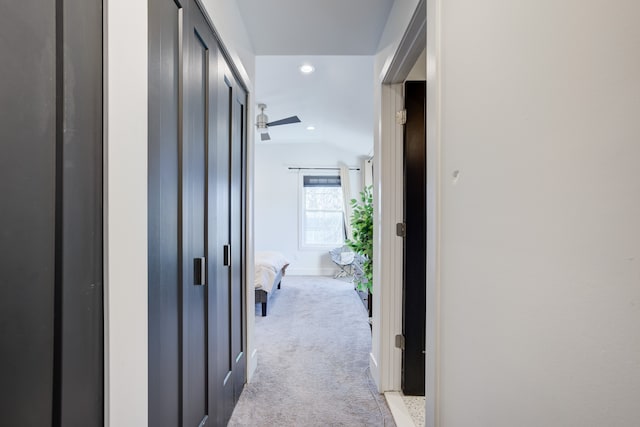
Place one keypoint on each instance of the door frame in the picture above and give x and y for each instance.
(418, 37)
(390, 208)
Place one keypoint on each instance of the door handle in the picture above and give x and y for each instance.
(199, 271)
(227, 255)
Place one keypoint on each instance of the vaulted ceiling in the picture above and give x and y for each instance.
(337, 37)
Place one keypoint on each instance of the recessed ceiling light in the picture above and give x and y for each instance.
(306, 69)
(311, 128)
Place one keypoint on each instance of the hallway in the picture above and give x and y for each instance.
(313, 360)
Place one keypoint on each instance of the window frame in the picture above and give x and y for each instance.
(302, 245)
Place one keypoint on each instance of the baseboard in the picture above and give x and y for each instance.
(373, 361)
(292, 271)
(253, 364)
(398, 409)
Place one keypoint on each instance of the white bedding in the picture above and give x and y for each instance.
(268, 264)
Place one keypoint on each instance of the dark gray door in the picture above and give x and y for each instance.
(166, 20)
(223, 357)
(200, 63)
(415, 241)
(238, 355)
(80, 242)
(51, 321)
(229, 360)
(196, 221)
(224, 243)
(27, 212)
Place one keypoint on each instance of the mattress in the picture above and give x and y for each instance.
(268, 264)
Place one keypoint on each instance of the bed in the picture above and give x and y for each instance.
(270, 268)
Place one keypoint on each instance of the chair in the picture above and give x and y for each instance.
(344, 258)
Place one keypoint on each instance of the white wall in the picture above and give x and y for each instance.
(229, 25)
(126, 213)
(277, 203)
(539, 293)
(419, 70)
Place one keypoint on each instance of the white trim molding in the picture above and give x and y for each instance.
(434, 192)
(125, 213)
(391, 246)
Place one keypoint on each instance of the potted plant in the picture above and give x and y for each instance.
(362, 242)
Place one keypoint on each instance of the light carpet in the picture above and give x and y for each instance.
(313, 359)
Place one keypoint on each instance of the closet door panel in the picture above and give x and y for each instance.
(224, 362)
(196, 342)
(81, 325)
(237, 244)
(27, 215)
(51, 363)
(195, 224)
(165, 24)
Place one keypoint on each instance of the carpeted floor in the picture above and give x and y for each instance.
(313, 358)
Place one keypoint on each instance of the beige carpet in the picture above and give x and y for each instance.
(313, 358)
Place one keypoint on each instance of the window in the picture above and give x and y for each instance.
(321, 217)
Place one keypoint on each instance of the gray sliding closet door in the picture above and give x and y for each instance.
(238, 354)
(196, 222)
(27, 215)
(166, 19)
(199, 102)
(51, 286)
(230, 357)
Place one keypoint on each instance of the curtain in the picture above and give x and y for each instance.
(346, 199)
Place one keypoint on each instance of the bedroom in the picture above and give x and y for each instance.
(335, 106)
(303, 173)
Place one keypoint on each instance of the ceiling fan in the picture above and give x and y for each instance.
(263, 123)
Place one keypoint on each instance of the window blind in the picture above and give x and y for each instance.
(321, 181)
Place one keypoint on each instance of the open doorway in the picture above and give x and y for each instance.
(307, 172)
(403, 211)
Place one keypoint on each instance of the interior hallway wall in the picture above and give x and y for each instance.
(419, 70)
(540, 188)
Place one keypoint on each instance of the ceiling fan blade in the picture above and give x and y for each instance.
(288, 120)
(265, 137)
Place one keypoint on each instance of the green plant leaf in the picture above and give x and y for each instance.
(362, 243)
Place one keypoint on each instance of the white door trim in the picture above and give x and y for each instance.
(434, 191)
(387, 293)
(422, 32)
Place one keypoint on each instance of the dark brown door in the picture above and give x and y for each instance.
(415, 241)
(51, 322)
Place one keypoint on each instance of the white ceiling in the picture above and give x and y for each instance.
(339, 38)
(337, 99)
